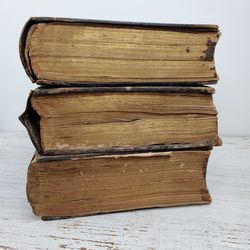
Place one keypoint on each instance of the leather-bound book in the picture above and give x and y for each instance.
(61, 51)
(120, 119)
(69, 186)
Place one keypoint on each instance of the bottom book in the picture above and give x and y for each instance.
(69, 186)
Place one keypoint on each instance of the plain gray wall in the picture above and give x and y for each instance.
(232, 54)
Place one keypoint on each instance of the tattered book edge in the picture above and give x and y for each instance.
(205, 195)
(30, 119)
(35, 20)
(205, 200)
(38, 158)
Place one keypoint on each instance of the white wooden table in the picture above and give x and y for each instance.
(224, 224)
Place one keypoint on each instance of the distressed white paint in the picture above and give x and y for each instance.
(224, 224)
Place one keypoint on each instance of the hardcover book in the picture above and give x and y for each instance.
(61, 51)
(69, 186)
(111, 119)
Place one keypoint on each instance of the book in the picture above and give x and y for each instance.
(63, 51)
(70, 186)
(123, 119)
(120, 119)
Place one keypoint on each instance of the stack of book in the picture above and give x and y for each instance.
(123, 119)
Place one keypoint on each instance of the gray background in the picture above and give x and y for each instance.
(232, 54)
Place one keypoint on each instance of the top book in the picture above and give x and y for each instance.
(62, 51)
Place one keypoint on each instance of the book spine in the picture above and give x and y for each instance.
(31, 120)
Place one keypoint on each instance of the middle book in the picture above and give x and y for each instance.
(120, 119)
